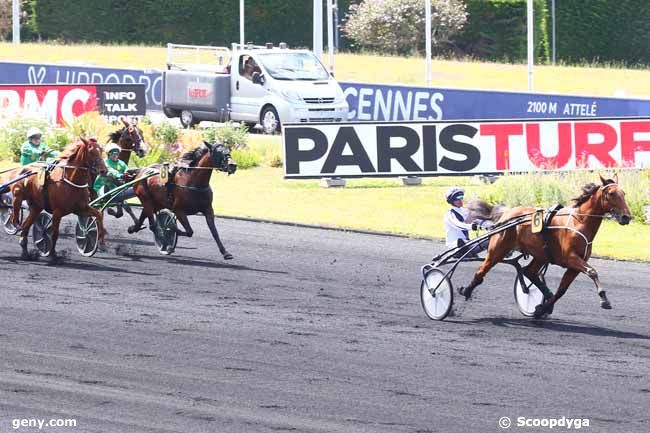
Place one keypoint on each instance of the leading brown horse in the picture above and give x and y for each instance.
(64, 191)
(569, 238)
(130, 139)
(187, 191)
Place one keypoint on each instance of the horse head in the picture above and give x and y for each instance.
(612, 199)
(130, 138)
(89, 155)
(220, 158)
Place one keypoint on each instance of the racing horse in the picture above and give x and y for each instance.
(566, 240)
(187, 190)
(130, 140)
(63, 190)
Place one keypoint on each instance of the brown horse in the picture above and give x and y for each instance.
(130, 139)
(567, 241)
(64, 191)
(187, 191)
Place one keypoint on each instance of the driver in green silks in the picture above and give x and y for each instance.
(34, 149)
(114, 178)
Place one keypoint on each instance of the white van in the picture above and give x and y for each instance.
(251, 84)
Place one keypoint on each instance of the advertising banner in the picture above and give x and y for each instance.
(27, 73)
(59, 104)
(463, 148)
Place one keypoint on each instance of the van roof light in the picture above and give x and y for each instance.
(283, 45)
(269, 45)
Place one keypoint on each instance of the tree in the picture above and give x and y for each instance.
(398, 26)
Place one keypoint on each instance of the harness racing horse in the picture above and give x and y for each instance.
(63, 190)
(187, 191)
(567, 241)
(130, 139)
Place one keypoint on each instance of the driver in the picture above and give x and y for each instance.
(34, 149)
(114, 178)
(458, 223)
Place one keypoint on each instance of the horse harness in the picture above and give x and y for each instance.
(49, 168)
(171, 184)
(546, 233)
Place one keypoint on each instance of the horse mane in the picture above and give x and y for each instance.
(479, 209)
(195, 155)
(72, 150)
(587, 191)
(115, 136)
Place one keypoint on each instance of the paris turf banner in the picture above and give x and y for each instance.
(362, 149)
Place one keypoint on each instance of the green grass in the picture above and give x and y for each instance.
(380, 205)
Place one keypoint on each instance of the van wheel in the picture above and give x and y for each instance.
(187, 119)
(270, 120)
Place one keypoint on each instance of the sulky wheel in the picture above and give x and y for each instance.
(5, 219)
(165, 232)
(527, 296)
(42, 234)
(86, 235)
(436, 294)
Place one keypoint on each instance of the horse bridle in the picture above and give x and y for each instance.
(126, 133)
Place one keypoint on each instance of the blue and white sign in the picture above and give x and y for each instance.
(25, 73)
(371, 102)
(378, 102)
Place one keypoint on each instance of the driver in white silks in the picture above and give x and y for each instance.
(458, 223)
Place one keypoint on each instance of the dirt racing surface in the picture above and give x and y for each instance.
(307, 330)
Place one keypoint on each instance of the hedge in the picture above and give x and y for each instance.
(602, 31)
(496, 30)
(203, 22)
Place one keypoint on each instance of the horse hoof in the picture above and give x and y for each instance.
(605, 305)
(466, 292)
(227, 256)
(540, 311)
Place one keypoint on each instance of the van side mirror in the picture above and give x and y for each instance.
(258, 78)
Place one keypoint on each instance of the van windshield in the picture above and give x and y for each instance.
(293, 66)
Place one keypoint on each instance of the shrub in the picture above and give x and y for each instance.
(233, 135)
(245, 158)
(165, 133)
(546, 189)
(398, 26)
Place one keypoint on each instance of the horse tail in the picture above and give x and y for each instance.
(478, 209)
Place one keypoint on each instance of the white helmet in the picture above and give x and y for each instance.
(454, 194)
(110, 147)
(33, 131)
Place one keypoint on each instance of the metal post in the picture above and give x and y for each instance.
(318, 29)
(330, 36)
(15, 16)
(553, 25)
(530, 45)
(336, 25)
(241, 23)
(427, 14)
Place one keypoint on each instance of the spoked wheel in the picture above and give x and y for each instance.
(42, 234)
(87, 235)
(165, 231)
(436, 294)
(527, 296)
(5, 219)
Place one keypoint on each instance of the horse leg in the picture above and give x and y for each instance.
(496, 252)
(209, 219)
(532, 273)
(591, 273)
(27, 224)
(147, 212)
(56, 221)
(547, 306)
(129, 211)
(182, 218)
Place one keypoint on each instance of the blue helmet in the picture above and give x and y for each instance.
(454, 194)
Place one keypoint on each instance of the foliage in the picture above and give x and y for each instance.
(233, 135)
(497, 30)
(165, 133)
(545, 189)
(245, 158)
(398, 26)
(14, 133)
(203, 22)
